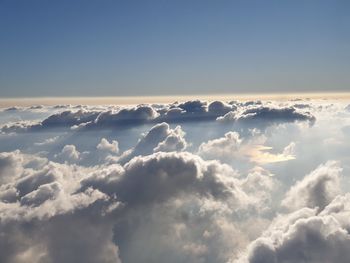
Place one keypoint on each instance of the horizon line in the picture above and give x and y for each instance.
(132, 100)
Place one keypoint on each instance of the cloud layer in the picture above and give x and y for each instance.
(193, 181)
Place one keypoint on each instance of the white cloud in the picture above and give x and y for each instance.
(253, 114)
(305, 236)
(316, 189)
(48, 141)
(159, 138)
(105, 145)
(266, 115)
(69, 153)
(224, 148)
(191, 189)
(175, 141)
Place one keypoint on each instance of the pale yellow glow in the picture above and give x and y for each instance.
(261, 154)
(131, 100)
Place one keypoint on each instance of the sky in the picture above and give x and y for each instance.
(140, 48)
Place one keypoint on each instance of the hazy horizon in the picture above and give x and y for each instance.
(133, 100)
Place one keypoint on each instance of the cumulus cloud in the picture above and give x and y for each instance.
(147, 186)
(9, 166)
(267, 115)
(252, 113)
(105, 145)
(175, 141)
(179, 202)
(224, 148)
(162, 175)
(159, 138)
(231, 148)
(69, 153)
(305, 236)
(38, 203)
(46, 186)
(316, 189)
(260, 185)
(191, 189)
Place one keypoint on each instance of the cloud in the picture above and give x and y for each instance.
(159, 138)
(69, 153)
(305, 236)
(231, 148)
(48, 141)
(260, 185)
(162, 175)
(97, 204)
(252, 113)
(42, 189)
(133, 116)
(175, 205)
(289, 150)
(224, 148)
(175, 141)
(105, 145)
(192, 189)
(266, 115)
(9, 166)
(43, 193)
(317, 189)
(262, 154)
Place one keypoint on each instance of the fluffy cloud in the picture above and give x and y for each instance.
(224, 148)
(252, 113)
(42, 189)
(205, 191)
(305, 236)
(180, 203)
(69, 153)
(232, 149)
(159, 138)
(174, 141)
(105, 145)
(162, 175)
(39, 215)
(133, 116)
(267, 115)
(316, 189)
(154, 190)
(9, 166)
(317, 230)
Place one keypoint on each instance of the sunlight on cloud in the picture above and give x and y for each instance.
(193, 181)
(262, 155)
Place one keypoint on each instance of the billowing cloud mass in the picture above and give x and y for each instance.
(221, 148)
(159, 138)
(316, 189)
(305, 236)
(190, 111)
(193, 181)
(267, 115)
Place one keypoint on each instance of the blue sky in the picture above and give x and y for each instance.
(121, 48)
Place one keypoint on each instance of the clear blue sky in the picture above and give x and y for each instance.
(118, 48)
